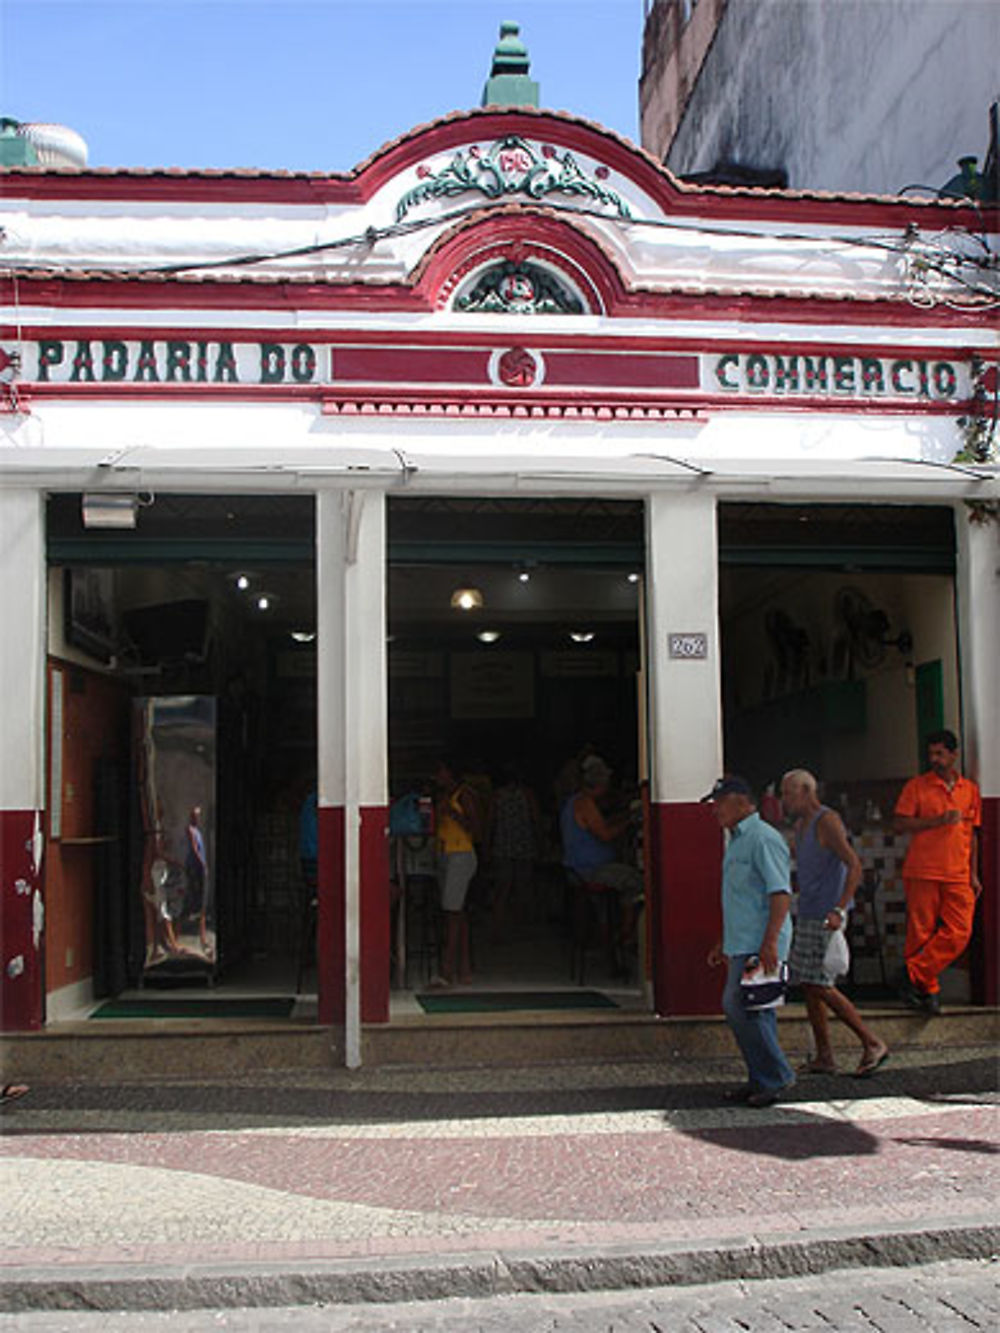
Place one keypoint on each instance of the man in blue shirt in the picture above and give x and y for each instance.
(756, 894)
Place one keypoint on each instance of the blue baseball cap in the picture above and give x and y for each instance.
(729, 785)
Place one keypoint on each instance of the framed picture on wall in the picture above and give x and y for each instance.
(90, 613)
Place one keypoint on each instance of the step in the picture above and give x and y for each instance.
(588, 1036)
(204, 1048)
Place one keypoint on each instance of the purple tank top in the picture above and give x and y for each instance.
(821, 873)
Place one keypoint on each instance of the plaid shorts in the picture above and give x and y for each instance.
(807, 959)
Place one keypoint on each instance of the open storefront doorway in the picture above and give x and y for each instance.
(182, 743)
(514, 650)
(840, 655)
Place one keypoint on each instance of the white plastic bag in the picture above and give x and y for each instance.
(837, 959)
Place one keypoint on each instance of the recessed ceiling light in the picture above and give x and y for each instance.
(582, 635)
(488, 635)
(466, 599)
(524, 577)
(634, 577)
(265, 601)
(303, 635)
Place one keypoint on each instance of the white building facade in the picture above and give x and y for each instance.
(512, 306)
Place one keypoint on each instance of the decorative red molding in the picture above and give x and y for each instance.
(489, 235)
(503, 334)
(567, 131)
(114, 292)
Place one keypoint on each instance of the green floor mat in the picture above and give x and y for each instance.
(496, 1002)
(263, 1007)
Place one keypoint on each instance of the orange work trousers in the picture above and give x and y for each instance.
(938, 927)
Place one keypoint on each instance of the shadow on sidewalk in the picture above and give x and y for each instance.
(474, 1094)
(807, 1137)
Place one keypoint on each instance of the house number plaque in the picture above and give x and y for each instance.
(689, 647)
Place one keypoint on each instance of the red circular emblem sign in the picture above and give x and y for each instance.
(517, 368)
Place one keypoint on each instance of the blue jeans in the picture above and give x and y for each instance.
(756, 1033)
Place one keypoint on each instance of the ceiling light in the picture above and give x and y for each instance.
(110, 511)
(467, 599)
(266, 601)
(242, 582)
(582, 635)
(304, 635)
(524, 577)
(634, 577)
(488, 635)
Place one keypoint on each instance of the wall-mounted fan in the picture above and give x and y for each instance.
(790, 645)
(861, 631)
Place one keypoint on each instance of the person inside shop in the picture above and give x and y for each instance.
(309, 871)
(590, 838)
(941, 811)
(568, 780)
(828, 871)
(513, 838)
(756, 895)
(456, 828)
(309, 840)
(196, 869)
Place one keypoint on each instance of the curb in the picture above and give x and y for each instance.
(504, 1272)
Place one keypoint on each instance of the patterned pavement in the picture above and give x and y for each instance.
(336, 1165)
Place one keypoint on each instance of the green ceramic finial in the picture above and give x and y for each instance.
(509, 84)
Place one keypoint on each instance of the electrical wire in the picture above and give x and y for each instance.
(942, 262)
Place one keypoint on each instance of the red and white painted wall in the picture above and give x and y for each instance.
(22, 736)
(507, 303)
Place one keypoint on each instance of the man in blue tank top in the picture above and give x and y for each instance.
(756, 892)
(828, 871)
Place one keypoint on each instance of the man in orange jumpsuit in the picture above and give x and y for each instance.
(941, 811)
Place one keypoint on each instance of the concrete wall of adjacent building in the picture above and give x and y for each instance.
(852, 96)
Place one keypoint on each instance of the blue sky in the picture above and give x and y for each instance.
(307, 85)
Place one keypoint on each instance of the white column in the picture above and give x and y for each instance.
(330, 548)
(978, 598)
(682, 594)
(22, 649)
(366, 686)
(352, 726)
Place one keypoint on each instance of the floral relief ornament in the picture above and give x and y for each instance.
(511, 166)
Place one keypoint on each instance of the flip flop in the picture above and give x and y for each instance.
(11, 1091)
(870, 1063)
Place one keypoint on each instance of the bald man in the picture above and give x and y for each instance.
(829, 872)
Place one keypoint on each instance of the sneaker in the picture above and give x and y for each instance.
(912, 996)
(925, 1002)
(740, 1095)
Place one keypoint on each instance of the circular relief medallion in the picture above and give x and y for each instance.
(517, 368)
(516, 289)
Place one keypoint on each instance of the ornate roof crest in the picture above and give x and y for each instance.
(511, 166)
